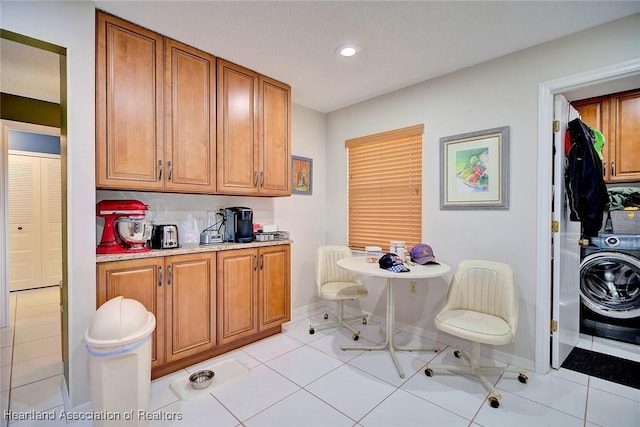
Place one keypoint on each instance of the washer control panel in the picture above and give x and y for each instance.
(617, 241)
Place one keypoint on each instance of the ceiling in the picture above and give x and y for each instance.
(402, 42)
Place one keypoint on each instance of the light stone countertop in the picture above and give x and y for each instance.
(191, 249)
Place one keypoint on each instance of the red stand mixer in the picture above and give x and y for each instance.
(125, 227)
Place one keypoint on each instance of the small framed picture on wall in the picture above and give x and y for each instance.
(302, 175)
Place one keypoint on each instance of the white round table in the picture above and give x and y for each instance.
(360, 266)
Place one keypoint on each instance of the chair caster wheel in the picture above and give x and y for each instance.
(457, 354)
(355, 337)
(428, 372)
(523, 378)
(312, 331)
(364, 320)
(326, 316)
(495, 403)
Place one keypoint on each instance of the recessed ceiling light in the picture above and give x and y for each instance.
(348, 49)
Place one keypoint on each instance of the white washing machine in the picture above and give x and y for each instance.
(610, 287)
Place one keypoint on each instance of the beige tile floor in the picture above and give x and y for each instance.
(297, 379)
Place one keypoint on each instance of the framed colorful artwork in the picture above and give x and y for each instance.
(475, 170)
(302, 175)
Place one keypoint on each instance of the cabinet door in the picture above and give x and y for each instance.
(275, 285)
(191, 304)
(595, 113)
(237, 155)
(275, 138)
(190, 119)
(140, 280)
(625, 134)
(129, 130)
(237, 294)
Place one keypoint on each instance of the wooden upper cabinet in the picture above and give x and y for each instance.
(190, 119)
(238, 93)
(625, 134)
(254, 133)
(275, 137)
(172, 118)
(617, 116)
(129, 104)
(155, 111)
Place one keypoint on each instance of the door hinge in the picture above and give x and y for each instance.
(554, 325)
(556, 125)
(555, 226)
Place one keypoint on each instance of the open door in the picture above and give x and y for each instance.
(565, 304)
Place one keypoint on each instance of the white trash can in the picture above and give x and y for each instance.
(119, 346)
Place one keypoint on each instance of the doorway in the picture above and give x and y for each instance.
(34, 206)
(33, 95)
(597, 82)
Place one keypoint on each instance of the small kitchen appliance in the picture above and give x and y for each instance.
(164, 236)
(125, 227)
(238, 224)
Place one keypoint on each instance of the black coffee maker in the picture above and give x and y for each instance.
(238, 225)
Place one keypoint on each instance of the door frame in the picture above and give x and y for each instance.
(5, 127)
(544, 281)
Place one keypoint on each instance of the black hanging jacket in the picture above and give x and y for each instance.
(584, 179)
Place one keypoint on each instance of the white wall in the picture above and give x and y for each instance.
(305, 215)
(72, 25)
(502, 92)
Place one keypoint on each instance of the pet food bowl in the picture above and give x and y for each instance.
(201, 379)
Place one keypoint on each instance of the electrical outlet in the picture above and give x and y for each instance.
(412, 287)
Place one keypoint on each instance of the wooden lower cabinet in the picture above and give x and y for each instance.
(253, 291)
(179, 290)
(206, 303)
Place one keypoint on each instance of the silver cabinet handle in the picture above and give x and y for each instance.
(261, 261)
(159, 276)
(255, 178)
(613, 168)
(262, 179)
(170, 170)
(170, 278)
(255, 267)
(159, 170)
(604, 168)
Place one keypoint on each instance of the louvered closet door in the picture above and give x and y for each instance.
(51, 220)
(25, 250)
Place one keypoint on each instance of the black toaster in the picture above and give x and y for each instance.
(164, 236)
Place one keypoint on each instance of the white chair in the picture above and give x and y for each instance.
(338, 284)
(482, 307)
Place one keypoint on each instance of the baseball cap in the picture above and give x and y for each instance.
(392, 262)
(422, 254)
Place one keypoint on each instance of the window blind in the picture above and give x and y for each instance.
(385, 188)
